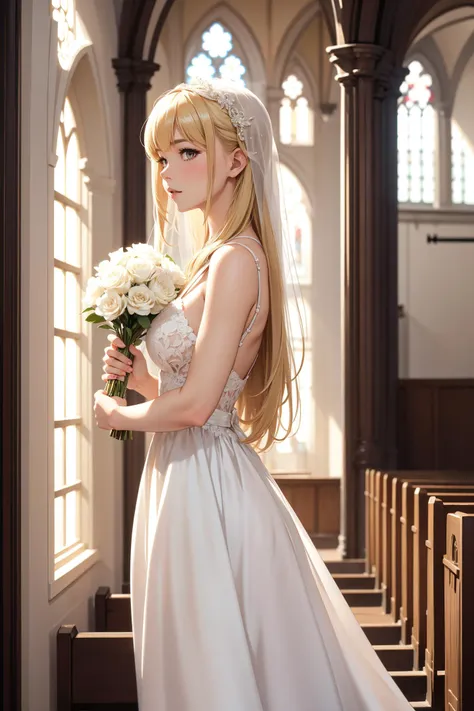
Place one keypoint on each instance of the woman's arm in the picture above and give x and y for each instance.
(230, 294)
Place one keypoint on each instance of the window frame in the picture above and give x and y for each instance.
(78, 557)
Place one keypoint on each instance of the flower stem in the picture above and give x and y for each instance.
(117, 388)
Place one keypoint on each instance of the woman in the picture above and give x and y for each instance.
(232, 607)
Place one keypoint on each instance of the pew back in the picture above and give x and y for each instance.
(438, 511)
(459, 612)
(420, 534)
(383, 508)
(409, 588)
(449, 477)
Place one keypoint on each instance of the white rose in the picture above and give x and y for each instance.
(146, 251)
(176, 273)
(141, 301)
(94, 291)
(162, 286)
(119, 257)
(115, 277)
(111, 305)
(141, 269)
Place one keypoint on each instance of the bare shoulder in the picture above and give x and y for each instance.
(232, 271)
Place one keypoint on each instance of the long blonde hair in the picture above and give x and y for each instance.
(272, 382)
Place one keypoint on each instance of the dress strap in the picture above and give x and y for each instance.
(257, 308)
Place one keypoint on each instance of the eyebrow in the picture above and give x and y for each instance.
(180, 140)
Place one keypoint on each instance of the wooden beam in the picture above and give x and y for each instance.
(10, 358)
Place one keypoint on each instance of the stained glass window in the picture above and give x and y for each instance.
(416, 137)
(462, 156)
(68, 422)
(215, 58)
(64, 13)
(296, 118)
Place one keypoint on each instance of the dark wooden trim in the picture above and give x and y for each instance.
(316, 502)
(10, 392)
(434, 429)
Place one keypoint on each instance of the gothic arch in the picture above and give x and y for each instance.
(82, 84)
(289, 41)
(234, 22)
(462, 61)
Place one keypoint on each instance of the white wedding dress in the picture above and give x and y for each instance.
(232, 607)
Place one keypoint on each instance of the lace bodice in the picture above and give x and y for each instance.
(170, 343)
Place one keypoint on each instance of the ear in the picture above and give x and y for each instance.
(239, 161)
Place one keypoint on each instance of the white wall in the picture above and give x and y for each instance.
(436, 287)
(42, 88)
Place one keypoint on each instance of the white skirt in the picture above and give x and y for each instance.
(232, 607)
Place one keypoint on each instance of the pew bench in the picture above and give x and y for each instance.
(112, 612)
(94, 669)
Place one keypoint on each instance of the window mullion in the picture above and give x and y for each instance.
(443, 171)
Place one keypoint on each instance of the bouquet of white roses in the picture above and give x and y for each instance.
(125, 295)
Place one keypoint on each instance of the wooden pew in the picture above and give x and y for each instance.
(370, 533)
(407, 533)
(397, 481)
(438, 511)
(95, 668)
(419, 586)
(383, 515)
(459, 612)
(112, 612)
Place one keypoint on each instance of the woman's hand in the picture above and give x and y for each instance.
(104, 406)
(116, 365)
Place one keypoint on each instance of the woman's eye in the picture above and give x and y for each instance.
(188, 153)
(161, 161)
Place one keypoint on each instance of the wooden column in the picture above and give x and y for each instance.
(10, 357)
(370, 224)
(133, 82)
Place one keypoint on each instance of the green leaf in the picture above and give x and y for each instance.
(107, 327)
(137, 343)
(170, 257)
(128, 335)
(91, 308)
(144, 321)
(94, 318)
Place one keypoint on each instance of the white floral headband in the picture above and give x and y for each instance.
(226, 102)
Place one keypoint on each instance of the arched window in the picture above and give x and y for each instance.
(295, 452)
(298, 219)
(296, 118)
(216, 58)
(416, 137)
(462, 157)
(67, 253)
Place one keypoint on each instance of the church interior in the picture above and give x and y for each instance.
(371, 104)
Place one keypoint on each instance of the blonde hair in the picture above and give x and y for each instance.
(272, 382)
